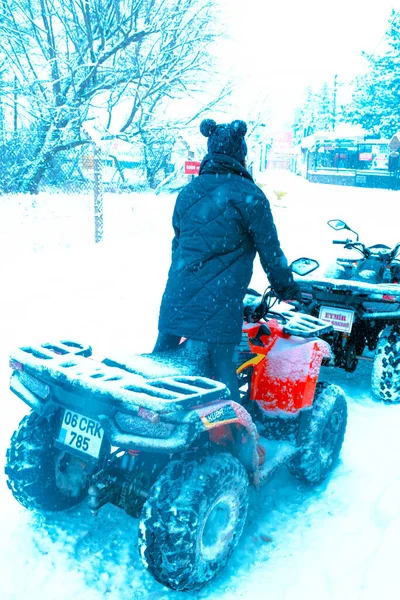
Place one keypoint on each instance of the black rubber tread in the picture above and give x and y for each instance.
(175, 511)
(385, 377)
(30, 466)
(308, 464)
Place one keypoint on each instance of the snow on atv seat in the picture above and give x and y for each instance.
(189, 359)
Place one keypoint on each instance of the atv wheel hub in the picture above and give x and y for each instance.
(329, 436)
(71, 474)
(219, 527)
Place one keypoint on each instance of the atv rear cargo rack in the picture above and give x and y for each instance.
(67, 366)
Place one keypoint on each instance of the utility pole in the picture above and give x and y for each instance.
(2, 121)
(15, 98)
(334, 103)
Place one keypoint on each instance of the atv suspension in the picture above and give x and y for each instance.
(124, 482)
(347, 350)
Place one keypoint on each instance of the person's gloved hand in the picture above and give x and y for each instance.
(254, 313)
(291, 294)
(296, 299)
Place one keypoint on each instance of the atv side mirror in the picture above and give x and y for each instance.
(337, 224)
(304, 266)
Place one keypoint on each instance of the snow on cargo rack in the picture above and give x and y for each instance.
(304, 325)
(337, 285)
(65, 366)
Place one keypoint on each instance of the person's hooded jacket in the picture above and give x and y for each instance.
(221, 219)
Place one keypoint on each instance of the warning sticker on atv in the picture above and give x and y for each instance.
(220, 416)
(81, 433)
(340, 318)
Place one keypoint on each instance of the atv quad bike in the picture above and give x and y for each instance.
(155, 436)
(360, 298)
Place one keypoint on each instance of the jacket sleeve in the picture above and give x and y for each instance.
(263, 231)
(175, 225)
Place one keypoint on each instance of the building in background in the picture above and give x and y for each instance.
(347, 156)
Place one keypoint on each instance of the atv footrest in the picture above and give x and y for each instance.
(277, 453)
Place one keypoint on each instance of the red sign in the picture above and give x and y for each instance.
(365, 156)
(283, 140)
(192, 167)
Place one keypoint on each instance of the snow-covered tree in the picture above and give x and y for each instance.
(116, 60)
(318, 112)
(375, 104)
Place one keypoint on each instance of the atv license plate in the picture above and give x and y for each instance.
(340, 318)
(80, 433)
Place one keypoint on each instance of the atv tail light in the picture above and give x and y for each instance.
(35, 386)
(134, 452)
(136, 425)
(17, 366)
(148, 415)
(385, 297)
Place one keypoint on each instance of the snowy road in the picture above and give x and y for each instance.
(336, 542)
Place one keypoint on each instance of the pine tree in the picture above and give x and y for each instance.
(317, 112)
(376, 99)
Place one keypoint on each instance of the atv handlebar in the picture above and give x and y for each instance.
(257, 307)
(361, 248)
(368, 251)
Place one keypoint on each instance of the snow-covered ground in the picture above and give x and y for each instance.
(338, 541)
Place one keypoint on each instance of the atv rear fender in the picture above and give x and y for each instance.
(229, 424)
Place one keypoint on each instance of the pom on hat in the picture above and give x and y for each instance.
(207, 127)
(238, 128)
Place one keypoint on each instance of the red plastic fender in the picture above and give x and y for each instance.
(217, 419)
(285, 369)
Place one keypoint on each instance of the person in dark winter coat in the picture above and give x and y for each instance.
(221, 219)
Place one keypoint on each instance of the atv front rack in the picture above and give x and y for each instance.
(304, 325)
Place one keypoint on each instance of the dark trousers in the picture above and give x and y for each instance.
(221, 356)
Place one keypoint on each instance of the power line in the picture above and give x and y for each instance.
(391, 21)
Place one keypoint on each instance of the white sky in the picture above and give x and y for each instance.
(281, 46)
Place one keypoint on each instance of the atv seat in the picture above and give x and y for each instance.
(190, 358)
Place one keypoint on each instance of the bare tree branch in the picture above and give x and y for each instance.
(108, 58)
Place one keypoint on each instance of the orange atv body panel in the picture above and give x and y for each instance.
(285, 368)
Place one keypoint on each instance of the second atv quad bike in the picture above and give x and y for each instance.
(155, 436)
(360, 297)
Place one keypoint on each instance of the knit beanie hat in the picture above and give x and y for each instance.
(227, 138)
